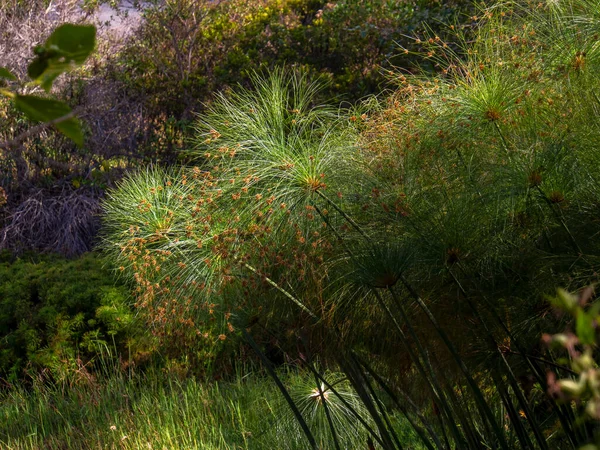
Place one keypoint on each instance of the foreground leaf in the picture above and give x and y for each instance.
(48, 110)
(67, 47)
(6, 74)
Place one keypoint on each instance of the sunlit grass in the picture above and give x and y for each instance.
(155, 412)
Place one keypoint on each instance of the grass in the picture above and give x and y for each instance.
(164, 412)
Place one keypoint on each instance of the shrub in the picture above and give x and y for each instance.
(468, 195)
(194, 48)
(59, 316)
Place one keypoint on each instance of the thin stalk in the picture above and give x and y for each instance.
(328, 414)
(357, 380)
(467, 425)
(282, 290)
(335, 232)
(379, 404)
(545, 361)
(512, 413)
(563, 411)
(349, 219)
(346, 404)
(324, 403)
(512, 379)
(394, 398)
(561, 220)
(435, 388)
(365, 236)
(480, 400)
(503, 139)
(433, 384)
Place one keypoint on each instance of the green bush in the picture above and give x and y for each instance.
(58, 315)
(193, 48)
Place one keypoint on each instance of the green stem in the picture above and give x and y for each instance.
(433, 384)
(563, 411)
(561, 220)
(378, 402)
(324, 402)
(395, 399)
(512, 379)
(467, 425)
(358, 417)
(285, 393)
(358, 382)
(344, 214)
(480, 400)
(503, 139)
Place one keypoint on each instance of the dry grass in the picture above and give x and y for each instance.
(40, 209)
(64, 223)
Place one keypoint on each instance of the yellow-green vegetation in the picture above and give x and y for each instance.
(58, 317)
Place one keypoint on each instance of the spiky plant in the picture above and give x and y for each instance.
(494, 172)
(330, 412)
(275, 144)
(470, 194)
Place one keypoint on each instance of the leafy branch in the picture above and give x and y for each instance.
(67, 48)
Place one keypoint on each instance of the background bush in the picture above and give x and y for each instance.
(57, 317)
(195, 48)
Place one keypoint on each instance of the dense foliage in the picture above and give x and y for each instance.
(464, 198)
(58, 316)
(194, 48)
(140, 91)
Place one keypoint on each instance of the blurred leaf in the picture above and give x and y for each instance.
(585, 328)
(67, 47)
(7, 74)
(48, 110)
(564, 301)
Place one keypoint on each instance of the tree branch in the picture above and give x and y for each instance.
(35, 130)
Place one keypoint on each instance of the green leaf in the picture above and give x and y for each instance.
(6, 74)
(584, 327)
(48, 110)
(67, 47)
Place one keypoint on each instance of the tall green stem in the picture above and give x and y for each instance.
(479, 399)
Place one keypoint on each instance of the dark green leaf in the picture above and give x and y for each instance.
(48, 110)
(37, 67)
(67, 47)
(5, 73)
